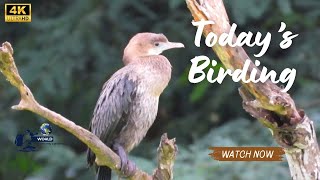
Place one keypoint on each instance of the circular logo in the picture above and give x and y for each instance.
(45, 129)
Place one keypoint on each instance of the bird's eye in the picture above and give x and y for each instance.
(156, 44)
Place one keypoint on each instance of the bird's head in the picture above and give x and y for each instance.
(147, 44)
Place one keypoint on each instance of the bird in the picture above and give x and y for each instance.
(128, 102)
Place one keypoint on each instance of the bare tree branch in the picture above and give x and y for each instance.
(290, 127)
(104, 155)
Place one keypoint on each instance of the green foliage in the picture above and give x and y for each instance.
(244, 11)
(62, 159)
(193, 161)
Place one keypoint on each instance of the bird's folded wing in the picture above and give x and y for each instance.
(112, 108)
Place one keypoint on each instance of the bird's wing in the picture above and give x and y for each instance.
(113, 105)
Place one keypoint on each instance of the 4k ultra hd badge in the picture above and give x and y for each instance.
(17, 12)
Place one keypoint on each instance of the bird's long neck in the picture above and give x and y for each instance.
(127, 59)
(131, 54)
(157, 72)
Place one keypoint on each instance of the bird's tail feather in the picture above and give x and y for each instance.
(104, 173)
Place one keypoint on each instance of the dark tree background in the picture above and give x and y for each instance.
(72, 47)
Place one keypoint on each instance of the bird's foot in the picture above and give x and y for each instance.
(128, 168)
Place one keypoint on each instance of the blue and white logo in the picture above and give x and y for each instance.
(27, 141)
(45, 129)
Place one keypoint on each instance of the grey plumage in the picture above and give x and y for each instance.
(128, 103)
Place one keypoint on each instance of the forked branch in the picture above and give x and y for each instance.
(104, 155)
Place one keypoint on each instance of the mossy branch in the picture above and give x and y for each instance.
(104, 155)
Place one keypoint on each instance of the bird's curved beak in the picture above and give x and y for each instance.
(171, 45)
(164, 46)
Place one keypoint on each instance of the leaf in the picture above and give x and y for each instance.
(243, 10)
(173, 4)
(199, 91)
(284, 6)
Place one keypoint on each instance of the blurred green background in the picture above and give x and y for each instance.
(72, 47)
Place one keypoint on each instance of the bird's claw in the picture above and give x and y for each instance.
(128, 168)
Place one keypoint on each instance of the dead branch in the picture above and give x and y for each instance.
(104, 155)
(290, 127)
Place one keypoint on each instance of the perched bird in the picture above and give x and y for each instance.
(128, 102)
